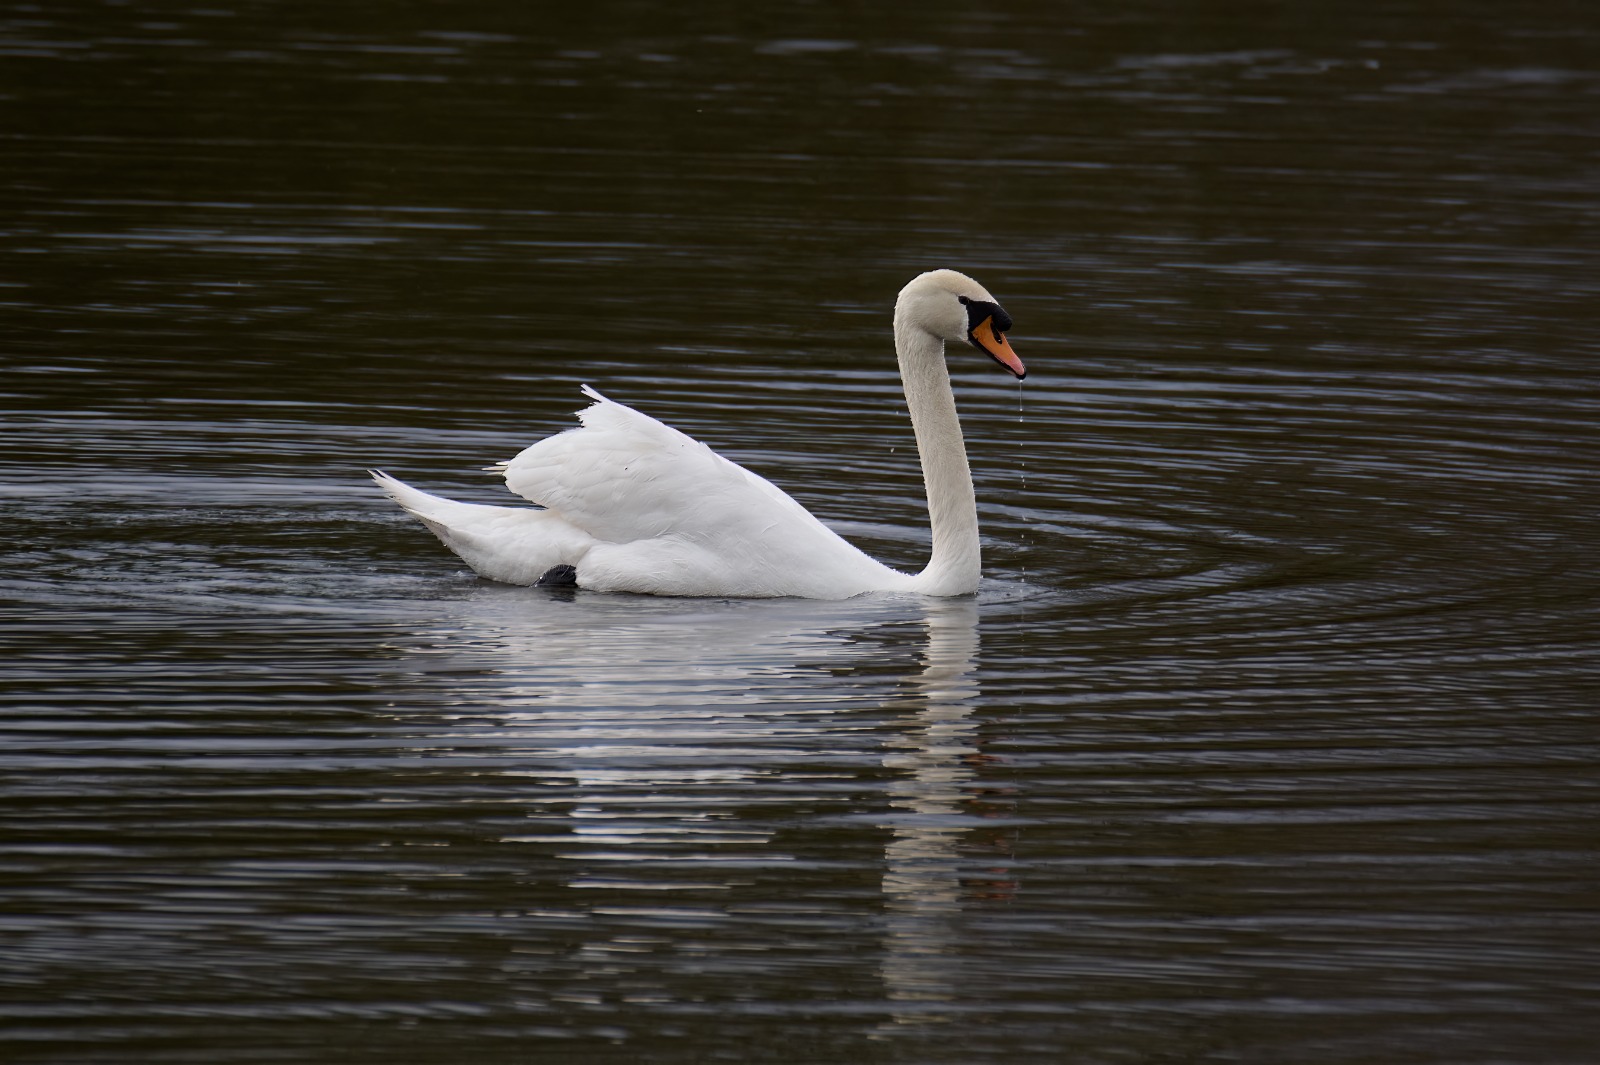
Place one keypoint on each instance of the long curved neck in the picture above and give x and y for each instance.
(954, 566)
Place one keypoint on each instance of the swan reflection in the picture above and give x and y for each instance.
(611, 695)
(662, 745)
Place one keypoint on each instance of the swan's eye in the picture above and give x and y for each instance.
(964, 300)
(978, 310)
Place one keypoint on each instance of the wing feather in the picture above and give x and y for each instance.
(624, 476)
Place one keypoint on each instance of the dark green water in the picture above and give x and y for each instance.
(1271, 738)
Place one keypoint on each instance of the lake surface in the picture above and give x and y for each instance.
(1271, 737)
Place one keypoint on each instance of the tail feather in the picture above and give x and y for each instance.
(516, 545)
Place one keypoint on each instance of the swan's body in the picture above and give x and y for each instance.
(633, 505)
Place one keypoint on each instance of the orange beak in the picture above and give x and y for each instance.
(997, 347)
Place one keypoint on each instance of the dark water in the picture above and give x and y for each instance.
(1272, 736)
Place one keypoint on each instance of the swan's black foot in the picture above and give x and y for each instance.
(558, 576)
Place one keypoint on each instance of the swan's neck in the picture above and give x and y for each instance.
(952, 510)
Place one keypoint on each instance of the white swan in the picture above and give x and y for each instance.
(633, 505)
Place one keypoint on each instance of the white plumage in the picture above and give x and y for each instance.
(633, 505)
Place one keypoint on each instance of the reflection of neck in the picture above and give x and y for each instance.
(952, 648)
(954, 565)
(931, 750)
(922, 866)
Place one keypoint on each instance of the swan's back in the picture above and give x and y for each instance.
(671, 516)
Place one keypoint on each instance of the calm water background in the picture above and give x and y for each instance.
(1271, 738)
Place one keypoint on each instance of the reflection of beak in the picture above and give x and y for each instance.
(995, 345)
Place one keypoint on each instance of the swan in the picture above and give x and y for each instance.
(629, 504)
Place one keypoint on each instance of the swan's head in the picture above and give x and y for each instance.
(955, 308)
